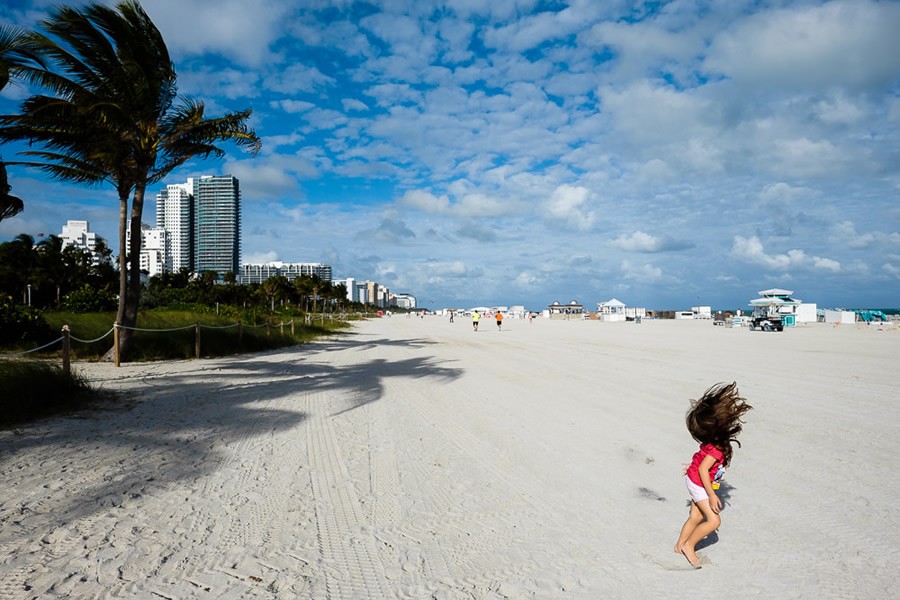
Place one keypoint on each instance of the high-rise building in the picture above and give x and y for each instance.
(257, 273)
(217, 224)
(79, 234)
(153, 249)
(174, 214)
(202, 220)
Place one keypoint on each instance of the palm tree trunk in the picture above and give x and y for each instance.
(133, 295)
(123, 272)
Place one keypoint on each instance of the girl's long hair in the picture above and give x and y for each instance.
(716, 417)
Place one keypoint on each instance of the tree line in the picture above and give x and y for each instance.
(44, 275)
(107, 112)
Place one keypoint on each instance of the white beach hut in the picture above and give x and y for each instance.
(611, 310)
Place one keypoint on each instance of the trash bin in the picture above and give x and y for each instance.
(637, 319)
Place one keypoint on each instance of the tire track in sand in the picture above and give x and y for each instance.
(351, 563)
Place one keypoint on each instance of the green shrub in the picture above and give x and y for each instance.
(20, 323)
(87, 299)
(36, 389)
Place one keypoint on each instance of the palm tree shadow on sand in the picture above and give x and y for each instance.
(161, 432)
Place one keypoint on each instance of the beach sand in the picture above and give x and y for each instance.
(414, 458)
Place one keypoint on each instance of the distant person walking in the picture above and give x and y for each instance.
(499, 321)
(475, 318)
(714, 421)
(451, 316)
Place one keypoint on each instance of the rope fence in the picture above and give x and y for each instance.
(66, 338)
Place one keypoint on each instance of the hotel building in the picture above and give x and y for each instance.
(257, 273)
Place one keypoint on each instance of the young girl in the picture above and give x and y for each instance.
(714, 421)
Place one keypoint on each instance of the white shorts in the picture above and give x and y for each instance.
(697, 492)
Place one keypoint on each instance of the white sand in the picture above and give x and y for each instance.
(417, 459)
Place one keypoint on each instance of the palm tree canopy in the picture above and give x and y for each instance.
(112, 113)
(15, 50)
(10, 205)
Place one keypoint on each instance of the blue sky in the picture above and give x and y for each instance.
(525, 151)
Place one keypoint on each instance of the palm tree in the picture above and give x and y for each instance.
(17, 269)
(15, 48)
(275, 287)
(10, 206)
(112, 116)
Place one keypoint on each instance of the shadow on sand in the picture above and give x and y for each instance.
(170, 427)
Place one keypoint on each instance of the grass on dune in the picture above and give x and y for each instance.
(35, 389)
(171, 334)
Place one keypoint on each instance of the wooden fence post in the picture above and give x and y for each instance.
(197, 339)
(281, 328)
(292, 327)
(240, 333)
(116, 344)
(65, 351)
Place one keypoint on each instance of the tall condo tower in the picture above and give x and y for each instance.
(217, 224)
(174, 214)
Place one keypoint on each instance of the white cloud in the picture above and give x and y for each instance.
(260, 257)
(292, 106)
(751, 250)
(851, 43)
(352, 104)
(845, 231)
(240, 29)
(468, 206)
(228, 83)
(298, 78)
(644, 273)
(644, 242)
(569, 205)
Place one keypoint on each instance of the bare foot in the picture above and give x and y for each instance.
(691, 557)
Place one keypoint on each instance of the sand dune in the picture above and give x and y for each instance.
(414, 458)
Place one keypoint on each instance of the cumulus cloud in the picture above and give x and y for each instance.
(751, 250)
(477, 231)
(260, 257)
(298, 78)
(352, 104)
(292, 106)
(644, 242)
(851, 43)
(846, 232)
(644, 273)
(390, 230)
(569, 205)
(240, 29)
(469, 205)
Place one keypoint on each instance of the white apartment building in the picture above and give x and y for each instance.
(174, 214)
(153, 249)
(79, 234)
(257, 273)
(407, 301)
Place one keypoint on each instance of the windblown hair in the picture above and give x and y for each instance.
(716, 417)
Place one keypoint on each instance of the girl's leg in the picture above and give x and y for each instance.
(694, 518)
(701, 531)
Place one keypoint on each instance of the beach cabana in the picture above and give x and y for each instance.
(776, 302)
(611, 310)
(564, 311)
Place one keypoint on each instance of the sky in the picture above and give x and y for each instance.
(521, 152)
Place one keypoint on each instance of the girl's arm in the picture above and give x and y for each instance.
(705, 465)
